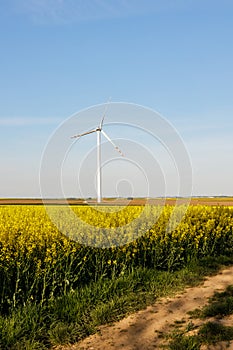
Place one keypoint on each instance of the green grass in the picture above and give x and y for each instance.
(181, 342)
(209, 333)
(219, 306)
(213, 332)
(69, 318)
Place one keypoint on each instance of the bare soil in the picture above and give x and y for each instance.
(145, 329)
(215, 201)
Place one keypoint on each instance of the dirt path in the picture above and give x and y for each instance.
(142, 330)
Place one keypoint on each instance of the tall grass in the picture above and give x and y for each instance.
(71, 317)
(38, 263)
(50, 284)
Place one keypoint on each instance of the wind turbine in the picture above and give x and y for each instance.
(99, 130)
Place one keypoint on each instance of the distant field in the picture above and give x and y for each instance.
(215, 201)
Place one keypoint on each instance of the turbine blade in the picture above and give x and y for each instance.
(83, 134)
(115, 146)
(105, 111)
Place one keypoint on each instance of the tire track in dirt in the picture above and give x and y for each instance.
(142, 330)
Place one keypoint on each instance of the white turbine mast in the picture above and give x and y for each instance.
(99, 130)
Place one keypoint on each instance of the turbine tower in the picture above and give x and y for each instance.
(99, 130)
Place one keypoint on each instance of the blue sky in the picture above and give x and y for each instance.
(61, 56)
